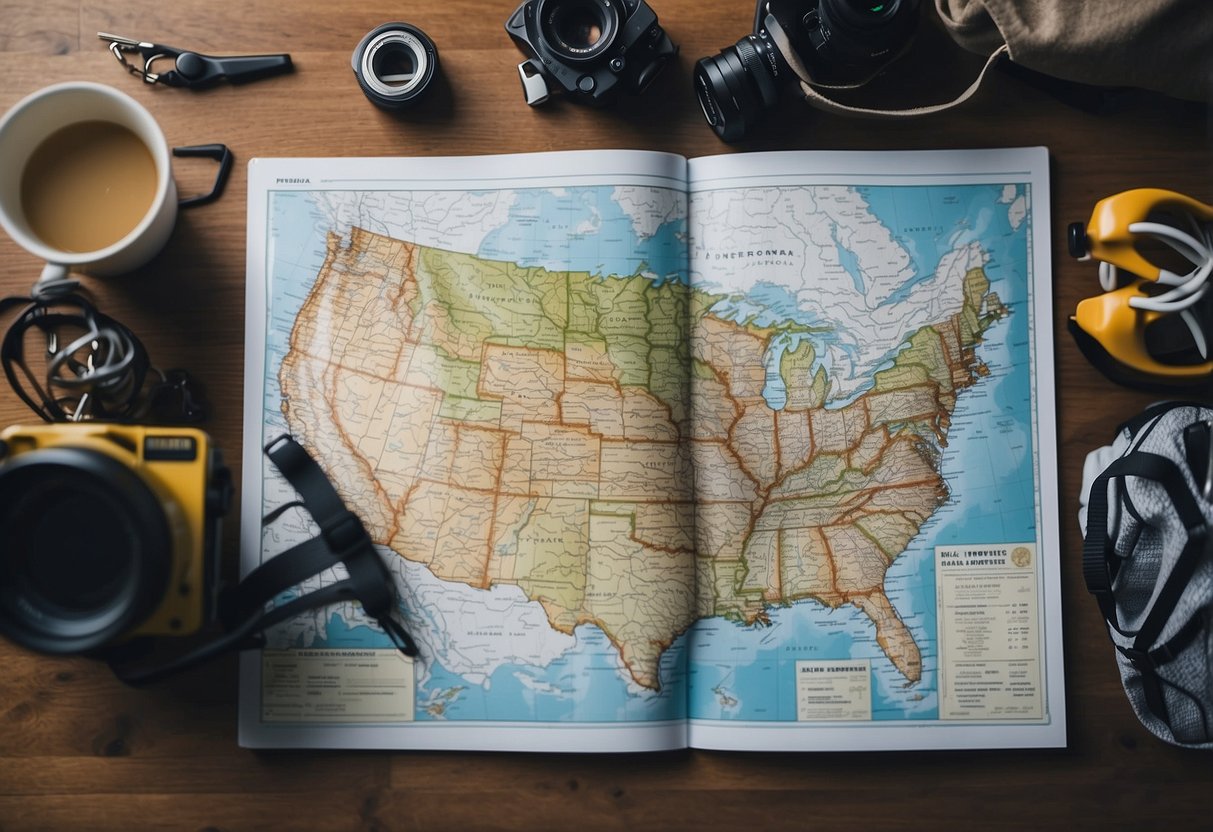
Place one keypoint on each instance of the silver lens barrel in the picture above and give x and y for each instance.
(395, 64)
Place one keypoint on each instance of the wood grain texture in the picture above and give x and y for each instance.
(79, 750)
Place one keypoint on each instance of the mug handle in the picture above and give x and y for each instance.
(220, 154)
(53, 280)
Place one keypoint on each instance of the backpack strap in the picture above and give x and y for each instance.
(346, 537)
(1147, 663)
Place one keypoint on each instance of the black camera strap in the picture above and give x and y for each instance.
(343, 539)
(249, 609)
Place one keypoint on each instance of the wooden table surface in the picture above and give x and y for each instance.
(80, 750)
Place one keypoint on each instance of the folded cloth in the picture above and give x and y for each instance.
(1161, 45)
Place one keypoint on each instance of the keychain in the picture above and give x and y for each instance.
(192, 69)
(1154, 330)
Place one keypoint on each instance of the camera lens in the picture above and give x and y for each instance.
(736, 86)
(394, 64)
(578, 30)
(86, 550)
(862, 13)
(855, 40)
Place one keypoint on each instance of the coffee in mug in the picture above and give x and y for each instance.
(86, 183)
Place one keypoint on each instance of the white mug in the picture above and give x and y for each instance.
(48, 110)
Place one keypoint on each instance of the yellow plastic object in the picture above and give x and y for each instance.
(1118, 331)
(1108, 235)
(177, 465)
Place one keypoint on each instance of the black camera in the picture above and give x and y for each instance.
(837, 43)
(590, 49)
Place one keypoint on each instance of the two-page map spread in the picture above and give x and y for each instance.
(740, 452)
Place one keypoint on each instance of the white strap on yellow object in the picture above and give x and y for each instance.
(1186, 289)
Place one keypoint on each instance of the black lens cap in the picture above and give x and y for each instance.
(1076, 240)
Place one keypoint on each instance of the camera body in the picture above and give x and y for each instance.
(842, 42)
(839, 43)
(588, 49)
(110, 532)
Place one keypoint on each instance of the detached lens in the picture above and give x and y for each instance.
(395, 64)
(737, 86)
(86, 550)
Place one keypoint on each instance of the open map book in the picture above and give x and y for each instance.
(749, 451)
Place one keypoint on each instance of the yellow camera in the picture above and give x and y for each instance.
(107, 533)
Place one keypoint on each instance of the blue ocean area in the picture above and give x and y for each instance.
(296, 253)
(932, 214)
(748, 672)
(339, 634)
(585, 230)
(585, 684)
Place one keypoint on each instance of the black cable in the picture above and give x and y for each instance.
(95, 367)
(240, 635)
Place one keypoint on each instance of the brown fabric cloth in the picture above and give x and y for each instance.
(1162, 45)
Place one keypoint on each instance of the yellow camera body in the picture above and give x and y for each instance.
(112, 532)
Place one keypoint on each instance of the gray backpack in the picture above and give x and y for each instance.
(1148, 560)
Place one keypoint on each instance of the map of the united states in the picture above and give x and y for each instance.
(604, 444)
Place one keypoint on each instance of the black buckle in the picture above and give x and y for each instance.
(220, 154)
(346, 535)
(1140, 659)
(274, 444)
